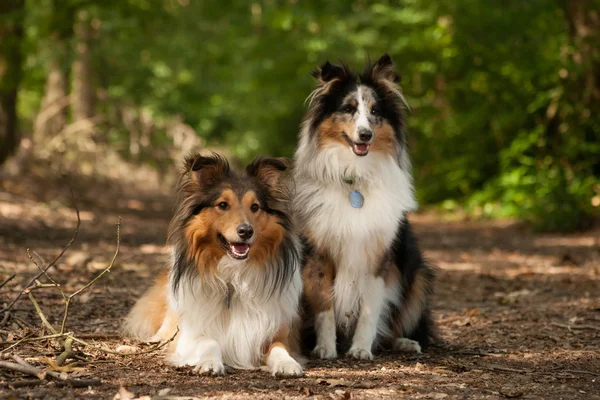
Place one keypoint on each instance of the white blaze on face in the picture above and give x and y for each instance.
(362, 114)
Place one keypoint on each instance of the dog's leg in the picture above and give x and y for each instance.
(318, 275)
(372, 304)
(278, 358)
(203, 353)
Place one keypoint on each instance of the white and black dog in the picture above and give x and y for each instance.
(366, 283)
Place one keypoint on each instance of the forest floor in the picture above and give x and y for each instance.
(518, 312)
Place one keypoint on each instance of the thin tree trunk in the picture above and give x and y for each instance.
(11, 34)
(52, 116)
(83, 95)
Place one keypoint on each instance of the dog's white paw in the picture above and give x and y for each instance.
(360, 354)
(407, 345)
(289, 367)
(325, 352)
(214, 367)
(280, 363)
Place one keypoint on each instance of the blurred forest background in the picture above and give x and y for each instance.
(504, 95)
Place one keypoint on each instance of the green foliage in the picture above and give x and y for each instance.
(503, 118)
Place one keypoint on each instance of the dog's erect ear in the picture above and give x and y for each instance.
(268, 170)
(383, 70)
(328, 72)
(207, 170)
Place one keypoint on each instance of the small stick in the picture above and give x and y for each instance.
(41, 314)
(149, 350)
(54, 284)
(100, 275)
(569, 327)
(10, 278)
(29, 338)
(57, 375)
(577, 371)
(45, 270)
(25, 383)
(505, 369)
(68, 353)
(79, 383)
(29, 370)
(5, 318)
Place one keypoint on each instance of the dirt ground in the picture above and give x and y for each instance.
(518, 312)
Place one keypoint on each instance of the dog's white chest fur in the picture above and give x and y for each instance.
(242, 331)
(356, 238)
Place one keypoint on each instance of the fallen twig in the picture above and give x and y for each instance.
(79, 383)
(63, 379)
(5, 319)
(504, 369)
(44, 270)
(577, 371)
(43, 373)
(100, 275)
(576, 327)
(41, 314)
(29, 370)
(151, 349)
(10, 278)
(68, 353)
(23, 383)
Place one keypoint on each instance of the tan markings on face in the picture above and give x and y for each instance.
(202, 229)
(331, 131)
(385, 141)
(268, 233)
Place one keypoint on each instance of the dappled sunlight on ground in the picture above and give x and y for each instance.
(514, 309)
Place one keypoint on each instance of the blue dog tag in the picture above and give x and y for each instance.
(356, 199)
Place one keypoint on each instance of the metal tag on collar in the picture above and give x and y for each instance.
(357, 200)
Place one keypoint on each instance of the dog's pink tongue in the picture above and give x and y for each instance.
(240, 248)
(362, 147)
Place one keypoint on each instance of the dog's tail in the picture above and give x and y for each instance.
(147, 316)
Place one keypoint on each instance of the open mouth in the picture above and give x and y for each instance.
(237, 251)
(360, 149)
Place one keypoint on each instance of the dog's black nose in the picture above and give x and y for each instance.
(245, 231)
(365, 135)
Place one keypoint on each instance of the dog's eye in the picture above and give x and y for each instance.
(348, 109)
(223, 205)
(374, 111)
(254, 207)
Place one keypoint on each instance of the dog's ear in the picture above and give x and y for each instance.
(269, 170)
(383, 70)
(329, 72)
(207, 170)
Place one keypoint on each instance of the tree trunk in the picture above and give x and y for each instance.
(583, 19)
(83, 95)
(52, 117)
(11, 34)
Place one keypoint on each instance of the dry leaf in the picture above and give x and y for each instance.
(124, 394)
(125, 349)
(63, 369)
(333, 382)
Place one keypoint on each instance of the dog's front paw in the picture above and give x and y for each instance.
(360, 354)
(404, 344)
(325, 352)
(213, 367)
(280, 363)
(289, 367)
